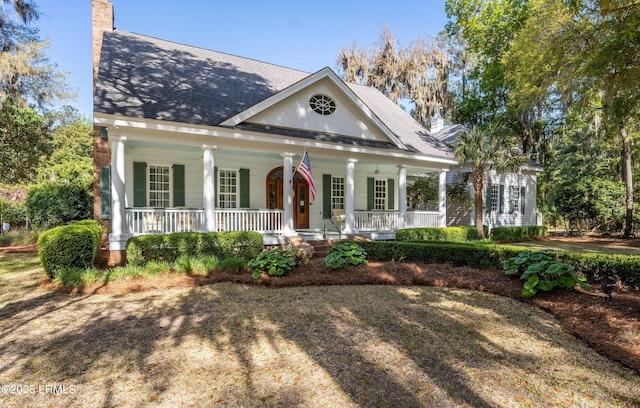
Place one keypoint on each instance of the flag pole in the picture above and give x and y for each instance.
(298, 166)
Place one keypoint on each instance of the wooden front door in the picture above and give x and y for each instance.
(275, 186)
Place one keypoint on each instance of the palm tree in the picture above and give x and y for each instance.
(484, 148)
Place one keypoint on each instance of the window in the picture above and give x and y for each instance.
(337, 193)
(514, 199)
(159, 186)
(322, 104)
(227, 189)
(380, 195)
(495, 198)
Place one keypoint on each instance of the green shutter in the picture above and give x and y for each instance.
(501, 200)
(104, 133)
(215, 187)
(391, 197)
(178, 185)
(523, 190)
(105, 192)
(326, 195)
(245, 198)
(370, 192)
(139, 184)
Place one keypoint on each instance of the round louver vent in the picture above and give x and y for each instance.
(322, 104)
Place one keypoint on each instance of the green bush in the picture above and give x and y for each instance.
(462, 233)
(594, 266)
(517, 233)
(13, 213)
(345, 253)
(169, 247)
(541, 271)
(53, 205)
(232, 264)
(70, 246)
(275, 262)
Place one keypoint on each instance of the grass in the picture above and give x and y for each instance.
(580, 247)
(13, 238)
(341, 346)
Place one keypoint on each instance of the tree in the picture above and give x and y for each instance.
(483, 148)
(419, 72)
(422, 192)
(72, 158)
(24, 139)
(26, 74)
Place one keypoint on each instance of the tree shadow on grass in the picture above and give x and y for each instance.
(380, 346)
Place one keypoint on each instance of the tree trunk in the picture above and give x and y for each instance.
(478, 184)
(627, 173)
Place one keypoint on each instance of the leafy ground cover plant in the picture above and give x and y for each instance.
(344, 254)
(276, 262)
(541, 271)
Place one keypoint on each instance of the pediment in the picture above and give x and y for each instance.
(321, 103)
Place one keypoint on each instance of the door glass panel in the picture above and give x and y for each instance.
(302, 199)
(272, 195)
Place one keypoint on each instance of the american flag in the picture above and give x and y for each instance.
(305, 171)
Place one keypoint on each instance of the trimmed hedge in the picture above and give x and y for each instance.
(169, 247)
(481, 254)
(461, 233)
(70, 246)
(517, 233)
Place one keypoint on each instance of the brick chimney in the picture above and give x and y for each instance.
(102, 20)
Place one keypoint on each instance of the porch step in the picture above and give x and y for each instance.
(321, 247)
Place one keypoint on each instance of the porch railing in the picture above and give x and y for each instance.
(264, 221)
(389, 220)
(166, 220)
(417, 219)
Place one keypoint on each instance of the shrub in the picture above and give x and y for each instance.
(541, 271)
(481, 254)
(53, 205)
(517, 233)
(276, 262)
(184, 264)
(460, 233)
(69, 246)
(169, 247)
(206, 264)
(345, 253)
(232, 264)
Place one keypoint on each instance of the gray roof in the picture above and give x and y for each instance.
(449, 135)
(147, 77)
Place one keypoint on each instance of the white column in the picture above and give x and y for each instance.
(442, 198)
(209, 188)
(402, 196)
(349, 198)
(287, 190)
(119, 231)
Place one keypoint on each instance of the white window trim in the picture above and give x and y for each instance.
(386, 193)
(237, 193)
(333, 191)
(170, 191)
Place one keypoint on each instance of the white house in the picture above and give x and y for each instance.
(192, 139)
(509, 198)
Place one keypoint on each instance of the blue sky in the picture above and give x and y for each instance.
(299, 34)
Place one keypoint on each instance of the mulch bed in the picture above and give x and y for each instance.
(612, 328)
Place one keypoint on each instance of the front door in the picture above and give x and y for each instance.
(275, 186)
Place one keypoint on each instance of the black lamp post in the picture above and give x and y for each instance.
(607, 287)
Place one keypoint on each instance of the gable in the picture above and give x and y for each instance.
(295, 112)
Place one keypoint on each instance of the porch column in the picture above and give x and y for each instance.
(402, 196)
(119, 231)
(442, 199)
(349, 198)
(209, 188)
(287, 190)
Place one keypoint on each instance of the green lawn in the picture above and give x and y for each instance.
(580, 247)
(323, 346)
